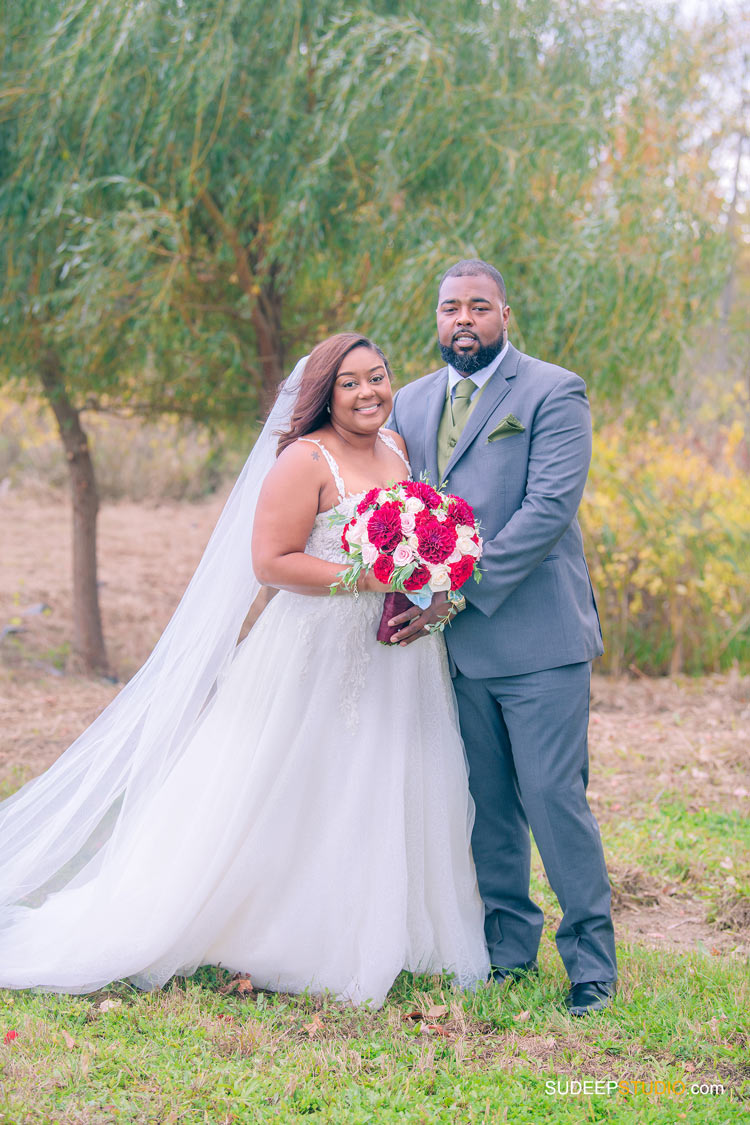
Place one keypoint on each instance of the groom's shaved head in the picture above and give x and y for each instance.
(472, 267)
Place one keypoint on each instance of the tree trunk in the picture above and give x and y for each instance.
(266, 317)
(88, 639)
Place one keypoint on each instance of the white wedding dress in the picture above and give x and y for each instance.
(315, 834)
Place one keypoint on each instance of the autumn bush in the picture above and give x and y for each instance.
(667, 530)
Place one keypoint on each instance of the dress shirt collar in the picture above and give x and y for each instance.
(480, 377)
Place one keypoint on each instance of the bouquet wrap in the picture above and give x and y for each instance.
(395, 603)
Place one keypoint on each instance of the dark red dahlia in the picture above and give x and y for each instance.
(367, 500)
(436, 540)
(425, 492)
(384, 526)
(418, 578)
(461, 571)
(383, 568)
(460, 511)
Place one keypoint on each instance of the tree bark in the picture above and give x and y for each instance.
(266, 317)
(88, 638)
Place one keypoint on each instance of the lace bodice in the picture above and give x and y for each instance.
(325, 537)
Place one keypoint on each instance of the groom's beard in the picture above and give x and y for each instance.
(470, 363)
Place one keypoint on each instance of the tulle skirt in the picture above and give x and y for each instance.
(315, 834)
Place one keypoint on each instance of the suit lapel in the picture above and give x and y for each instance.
(494, 392)
(434, 403)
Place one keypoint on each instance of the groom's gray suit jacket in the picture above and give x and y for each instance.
(534, 607)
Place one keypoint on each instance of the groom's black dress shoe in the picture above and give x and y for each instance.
(590, 996)
(500, 973)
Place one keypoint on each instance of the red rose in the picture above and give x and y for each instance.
(460, 511)
(425, 493)
(384, 526)
(10, 1036)
(367, 500)
(436, 540)
(383, 568)
(461, 571)
(344, 540)
(418, 578)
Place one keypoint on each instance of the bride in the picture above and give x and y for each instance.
(294, 807)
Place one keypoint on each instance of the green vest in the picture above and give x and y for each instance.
(449, 433)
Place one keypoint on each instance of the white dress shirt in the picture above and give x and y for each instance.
(479, 377)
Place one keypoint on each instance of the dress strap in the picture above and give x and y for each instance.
(388, 440)
(337, 478)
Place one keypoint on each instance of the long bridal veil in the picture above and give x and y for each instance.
(60, 828)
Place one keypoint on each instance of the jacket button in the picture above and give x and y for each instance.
(451, 441)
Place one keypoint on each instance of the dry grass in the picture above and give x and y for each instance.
(650, 739)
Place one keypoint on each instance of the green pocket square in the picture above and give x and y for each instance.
(509, 425)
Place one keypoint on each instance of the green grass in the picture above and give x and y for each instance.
(194, 1054)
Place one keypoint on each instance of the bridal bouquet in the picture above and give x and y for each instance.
(415, 538)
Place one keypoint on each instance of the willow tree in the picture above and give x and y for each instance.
(560, 142)
(164, 216)
(192, 192)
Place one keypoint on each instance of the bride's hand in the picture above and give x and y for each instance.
(367, 583)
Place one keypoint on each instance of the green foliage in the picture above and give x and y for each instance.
(192, 194)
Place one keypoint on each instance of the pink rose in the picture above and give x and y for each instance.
(370, 554)
(402, 555)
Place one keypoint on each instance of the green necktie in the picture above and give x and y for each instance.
(462, 402)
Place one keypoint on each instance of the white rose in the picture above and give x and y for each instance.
(468, 547)
(440, 516)
(413, 542)
(408, 522)
(382, 497)
(402, 555)
(413, 505)
(369, 554)
(454, 558)
(440, 579)
(463, 531)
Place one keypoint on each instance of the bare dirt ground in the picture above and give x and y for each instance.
(647, 736)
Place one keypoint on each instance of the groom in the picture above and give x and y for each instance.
(512, 435)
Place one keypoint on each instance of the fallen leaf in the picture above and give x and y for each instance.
(521, 1017)
(10, 1036)
(85, 1064)
(436, 1011)
(414, 1015)
(314, 1026)
(239, 984)
(108, 1005)
(68, 1039)
(436, 1029)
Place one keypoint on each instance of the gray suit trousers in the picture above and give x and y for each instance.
(526, 743)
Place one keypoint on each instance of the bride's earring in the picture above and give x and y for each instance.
(328, 407)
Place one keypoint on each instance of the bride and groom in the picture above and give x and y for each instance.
(297, 806)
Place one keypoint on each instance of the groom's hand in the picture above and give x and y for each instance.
(414, 620)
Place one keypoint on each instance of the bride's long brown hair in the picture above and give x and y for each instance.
(316, 386)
